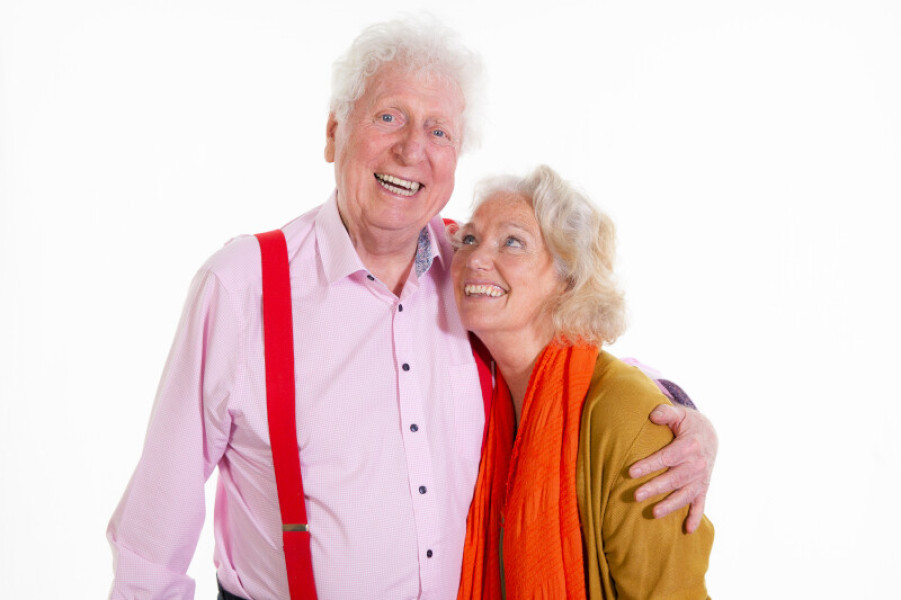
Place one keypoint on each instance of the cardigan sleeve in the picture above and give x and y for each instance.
(629, 553)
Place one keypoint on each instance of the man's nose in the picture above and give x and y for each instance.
(410, 148)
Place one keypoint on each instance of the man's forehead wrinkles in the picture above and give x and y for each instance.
(422, 102)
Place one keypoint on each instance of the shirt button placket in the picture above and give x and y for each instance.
(408, 346)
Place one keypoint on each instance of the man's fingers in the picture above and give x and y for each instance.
(648, 465)
(674, 502)
(670, 481)
(676, 453)
(669, 415)
(671, 455)
(690, 496)
(689, 458)
(695, 513)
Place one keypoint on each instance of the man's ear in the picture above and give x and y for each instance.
(330, 129)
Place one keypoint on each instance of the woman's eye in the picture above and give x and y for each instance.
(387, 118)
(512, 242)
(468, 239)
(439, 133)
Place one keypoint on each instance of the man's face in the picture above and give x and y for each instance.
(396, 153)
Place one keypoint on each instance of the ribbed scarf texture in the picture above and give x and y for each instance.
(529, 487)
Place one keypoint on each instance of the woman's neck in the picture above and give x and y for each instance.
(515, 356)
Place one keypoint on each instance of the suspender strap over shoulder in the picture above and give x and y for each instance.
(278, 336)
(278, 339)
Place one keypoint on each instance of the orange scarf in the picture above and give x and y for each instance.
(529, 488)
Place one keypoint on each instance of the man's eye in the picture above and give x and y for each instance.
(468, 239)
(388, 118)
(439, 133)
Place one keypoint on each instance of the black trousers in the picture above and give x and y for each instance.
(225, 595)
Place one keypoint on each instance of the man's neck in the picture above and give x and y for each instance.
(387, 254)
(391, 269)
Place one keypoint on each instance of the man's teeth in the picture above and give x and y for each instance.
(483, 290)
(396, 185)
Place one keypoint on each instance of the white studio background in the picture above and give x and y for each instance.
(750, 153)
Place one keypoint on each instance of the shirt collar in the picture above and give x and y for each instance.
(424, 256)
(340, 259)
(440, 246)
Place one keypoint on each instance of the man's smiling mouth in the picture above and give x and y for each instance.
(396, 185)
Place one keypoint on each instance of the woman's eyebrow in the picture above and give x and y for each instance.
(502, 225)
(516, 225)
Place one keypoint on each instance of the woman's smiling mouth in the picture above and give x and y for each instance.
(483, 290)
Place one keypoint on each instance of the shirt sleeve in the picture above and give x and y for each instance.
(154, 530)
(669, 388)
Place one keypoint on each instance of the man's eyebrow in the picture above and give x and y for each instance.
(442, 120)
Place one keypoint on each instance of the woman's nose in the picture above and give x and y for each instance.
(479, 258)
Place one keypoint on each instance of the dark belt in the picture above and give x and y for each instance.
(225, 594)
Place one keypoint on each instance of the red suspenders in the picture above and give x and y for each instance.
(278, 339)
(278, 336)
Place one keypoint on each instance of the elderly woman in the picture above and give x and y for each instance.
(554, 515)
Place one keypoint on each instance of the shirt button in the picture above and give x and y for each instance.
(370, 277)
(422, 489)
(428, 553)
(405, 367)
(400, 308)
(414, 427)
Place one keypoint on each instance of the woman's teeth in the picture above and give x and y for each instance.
(483, 290)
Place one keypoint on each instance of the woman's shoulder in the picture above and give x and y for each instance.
(642, 557)
(622, 394)
(615, 421)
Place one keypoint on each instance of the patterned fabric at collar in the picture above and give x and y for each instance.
(424, 256)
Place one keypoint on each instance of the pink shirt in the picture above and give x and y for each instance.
(390, 422)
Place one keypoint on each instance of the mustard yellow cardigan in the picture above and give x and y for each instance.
(629, 554)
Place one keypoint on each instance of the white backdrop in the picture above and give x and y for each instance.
(750, 153)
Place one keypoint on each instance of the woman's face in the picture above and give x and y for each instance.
(503, 273)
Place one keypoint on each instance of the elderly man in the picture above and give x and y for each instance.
(389, 410)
